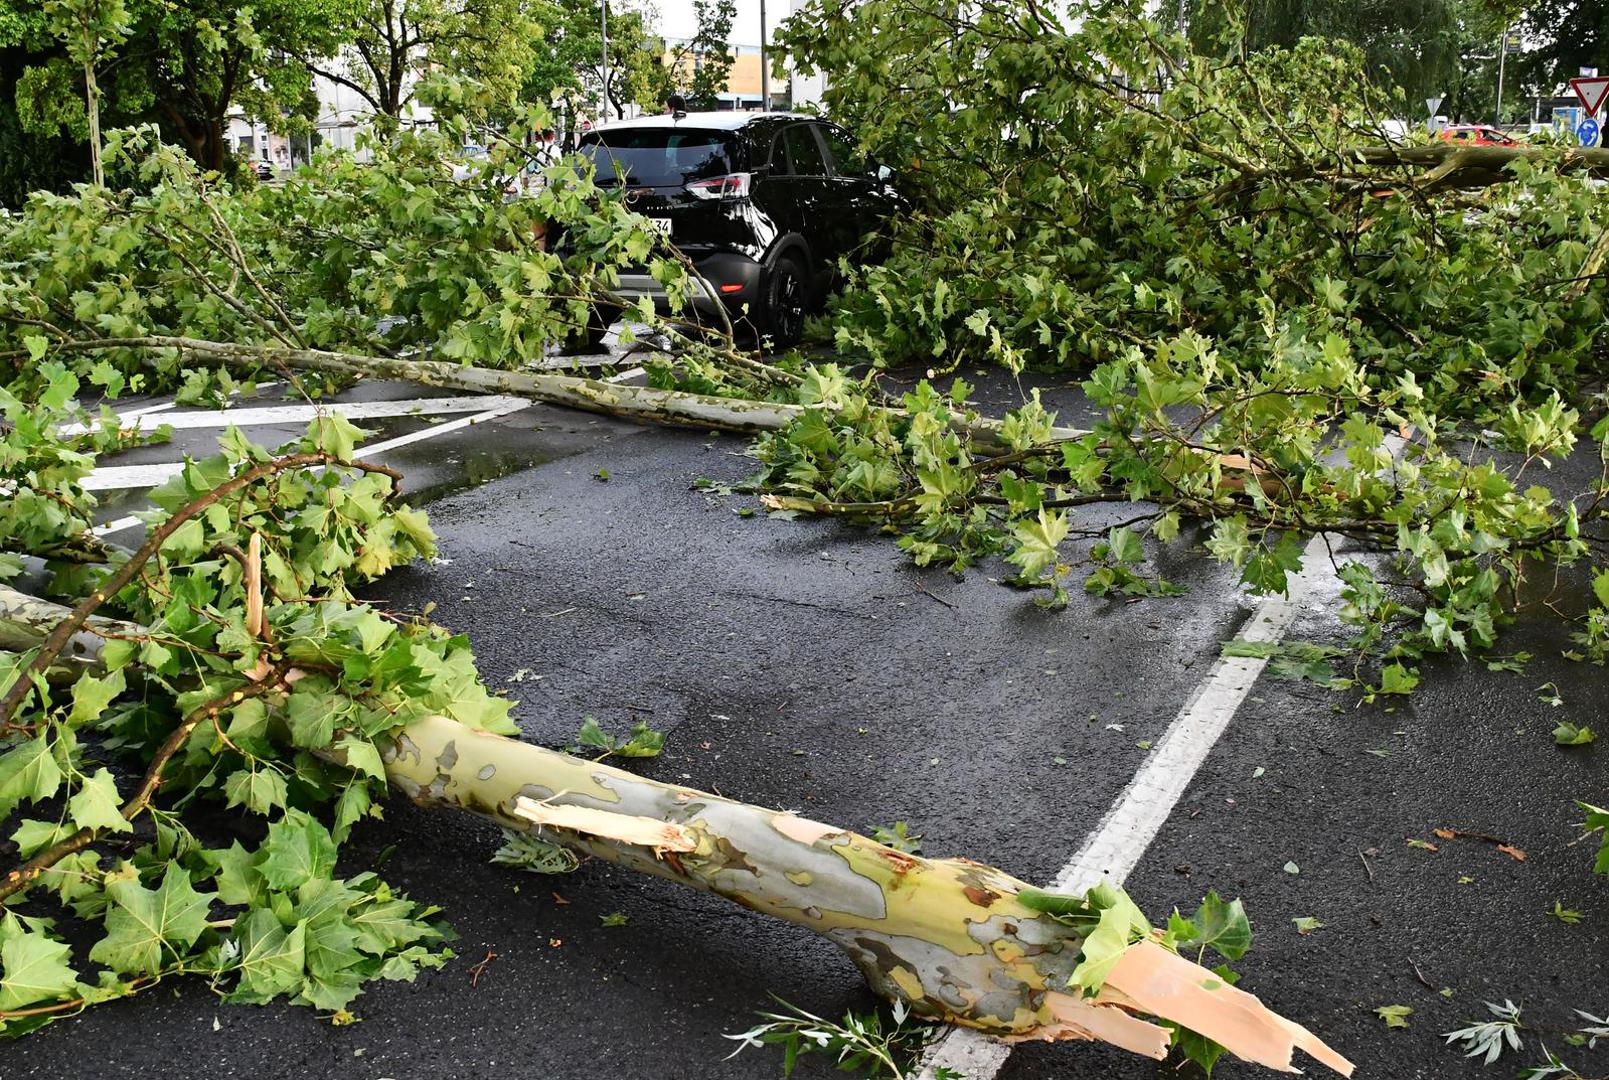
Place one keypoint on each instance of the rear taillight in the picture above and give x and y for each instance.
(731, 186)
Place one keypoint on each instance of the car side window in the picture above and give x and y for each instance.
(843, 154)
(804, 151)
(779, 158)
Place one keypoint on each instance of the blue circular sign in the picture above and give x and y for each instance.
(1587, 133)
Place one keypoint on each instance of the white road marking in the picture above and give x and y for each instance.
(301, 413)
(509, 405)
(128, 477)
(1118, 843)
(1111, 852)
(506, 406)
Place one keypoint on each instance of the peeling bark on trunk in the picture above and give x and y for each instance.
(947, 936)
(950, 937)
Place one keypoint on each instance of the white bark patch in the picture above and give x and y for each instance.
(803, 830)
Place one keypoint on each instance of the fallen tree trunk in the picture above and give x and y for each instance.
(643, 404)
(950, 937)
(1454, 166)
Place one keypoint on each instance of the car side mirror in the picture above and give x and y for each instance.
(884, 174)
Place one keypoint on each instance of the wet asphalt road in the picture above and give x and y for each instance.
(805, 664)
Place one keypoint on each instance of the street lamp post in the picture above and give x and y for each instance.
(1502, 58)
(603, 75)
(765, 70)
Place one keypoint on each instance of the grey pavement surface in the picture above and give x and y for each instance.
(806, 664)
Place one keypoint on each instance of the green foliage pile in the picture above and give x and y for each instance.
(260, 745)
(1283, 336)
(376, 257)
(1082, 192)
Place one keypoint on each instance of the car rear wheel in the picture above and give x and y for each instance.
(786, 298)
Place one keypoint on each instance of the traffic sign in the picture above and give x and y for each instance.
(1587, 133)
(1511, 41)
(1592, 92)
(1433, 103)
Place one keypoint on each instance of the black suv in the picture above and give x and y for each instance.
(763, 204)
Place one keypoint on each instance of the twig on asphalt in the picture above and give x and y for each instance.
(1426, 983)
(1366, 866)
(480, 969)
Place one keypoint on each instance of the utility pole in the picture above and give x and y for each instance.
(603, 72)
(765, 70)
(1502, 59)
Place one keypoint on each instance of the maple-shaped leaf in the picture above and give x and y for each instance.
(145, 928)
(33, 966)
(28, 772)
(272, 959)
(299, 849)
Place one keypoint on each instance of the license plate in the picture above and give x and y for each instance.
(662, 224)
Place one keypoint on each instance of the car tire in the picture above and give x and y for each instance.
(787, 298)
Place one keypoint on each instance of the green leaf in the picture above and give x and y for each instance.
(593, 736)
(1104, 947)
(1269, 569)
(1126, 546)
(1395, 1016)
(1230, 541)
(314, 710)
(34, 967)
(92, 694)
(1221, 926)
(1306, 924)
(149, 928)
(1567, 734)
(28, 773)
(298, 850)
(361, 755)
(240, 882)
(1396, 679)
(96, 805)
(33, 836)
(259, 790)
(1037, 542)
(645, 742)
(271, 960)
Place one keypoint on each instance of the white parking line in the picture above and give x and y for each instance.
(128, 477)
(1115, 848)
(503, 407)
(1111, 852)
(300, 413)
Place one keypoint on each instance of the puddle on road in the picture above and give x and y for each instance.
(427, 478)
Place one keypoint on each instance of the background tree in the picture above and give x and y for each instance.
(1563, 36)
(701, 67)
(384, 45)
(92, 29)
(183, 66)
(1424, 48)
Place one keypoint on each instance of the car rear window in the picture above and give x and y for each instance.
(658, 157)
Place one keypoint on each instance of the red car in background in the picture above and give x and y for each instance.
(1476, 135)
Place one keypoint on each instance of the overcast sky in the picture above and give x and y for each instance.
(676, 17)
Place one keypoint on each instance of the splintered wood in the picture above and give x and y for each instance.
(660, 836)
